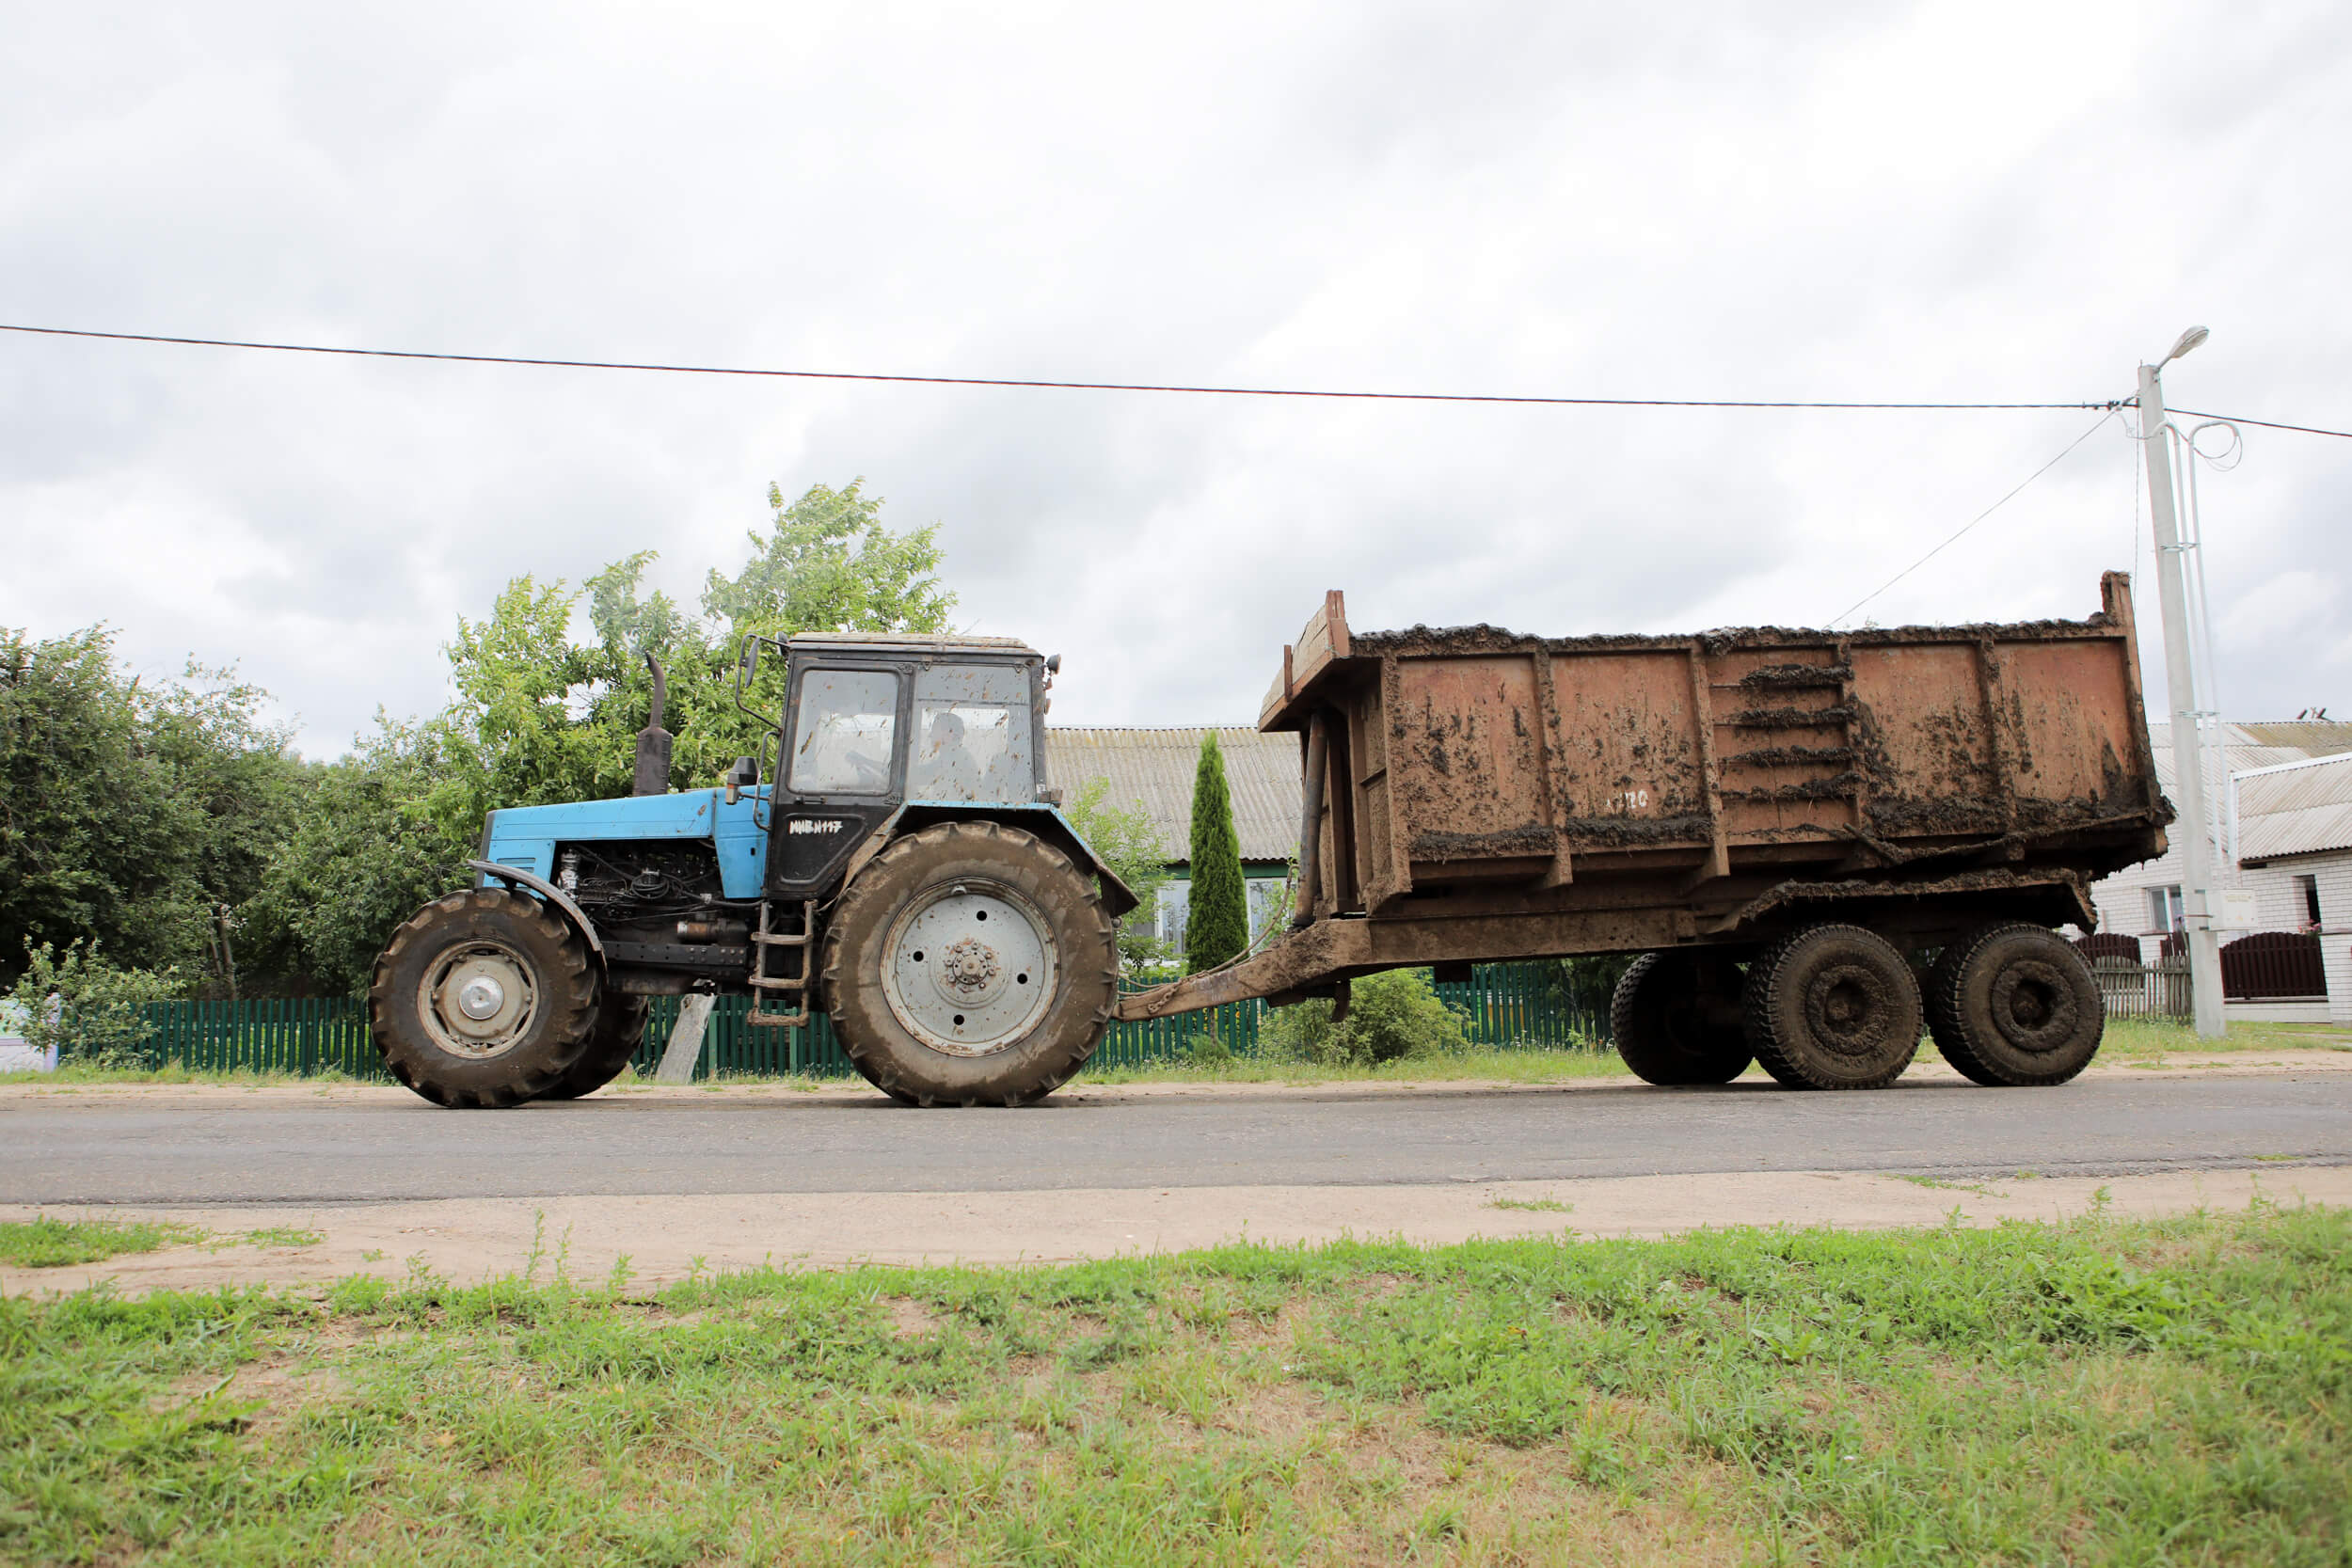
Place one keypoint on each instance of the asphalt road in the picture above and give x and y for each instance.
(272, 1151)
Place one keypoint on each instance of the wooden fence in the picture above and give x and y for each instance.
(2131, 990)
(1505, 1006)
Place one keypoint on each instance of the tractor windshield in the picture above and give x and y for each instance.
(971, 735)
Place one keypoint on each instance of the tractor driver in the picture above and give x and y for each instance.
(950, 767)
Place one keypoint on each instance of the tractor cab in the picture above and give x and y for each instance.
(878, 727)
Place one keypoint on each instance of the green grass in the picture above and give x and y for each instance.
(281, 1235)
(41, 1243)
(1532, 1205)
(2152, 1040)
(71, 1074)
(2099, 1392)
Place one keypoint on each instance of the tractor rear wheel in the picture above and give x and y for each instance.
(1833, 1008)
(619, 1029)
(1676, 1019)
(970, 964)
(482, 998)
(2015, 1006)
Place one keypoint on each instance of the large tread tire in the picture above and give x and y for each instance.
(1833, 1006)
(1675, 1019)
(551, 955)
(1062, 1037)
(2015, 1006)
(619, 1030)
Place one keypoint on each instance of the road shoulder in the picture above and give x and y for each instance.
(666, 1237)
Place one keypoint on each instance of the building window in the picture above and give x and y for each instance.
(1175, 903)
(2309, 888)
(1267, 899)
(2163, 909)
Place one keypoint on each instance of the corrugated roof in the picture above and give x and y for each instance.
(1155, 767)
(2300, 811)
(2254, 745)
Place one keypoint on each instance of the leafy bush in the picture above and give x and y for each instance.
(87, 1007)
(1207, 1049)
(1392, 1016)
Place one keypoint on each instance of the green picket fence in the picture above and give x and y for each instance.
(1506, 1006)
(305, 1036)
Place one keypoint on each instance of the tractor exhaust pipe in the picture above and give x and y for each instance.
(653, 741)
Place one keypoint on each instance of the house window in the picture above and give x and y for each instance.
(1175, 903)
(1267, 899)
(2163, 909)
(2309, 888)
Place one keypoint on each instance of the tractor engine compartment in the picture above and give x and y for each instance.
(661, 892)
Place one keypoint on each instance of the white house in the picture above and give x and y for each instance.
(2281, 798)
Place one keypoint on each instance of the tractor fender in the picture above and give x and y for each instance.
(1046, 822)
(532, 881)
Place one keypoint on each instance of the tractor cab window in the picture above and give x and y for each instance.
(842, 737)
(972, 735)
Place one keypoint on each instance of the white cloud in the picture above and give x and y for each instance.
(1944, 200)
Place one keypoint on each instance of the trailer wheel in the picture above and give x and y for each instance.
(619, 1030)
(970, 964)
(1676, 1019)
(2015, 1006)
(483, 999)
(1833, 1008)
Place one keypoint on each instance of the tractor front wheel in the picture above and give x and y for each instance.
(483, 999)
(970, 964)
(619, 1030)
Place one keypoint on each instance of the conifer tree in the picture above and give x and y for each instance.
(1217, 924)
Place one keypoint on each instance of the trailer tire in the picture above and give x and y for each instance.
(2015, 1006)
(928, 998)
(1676, 1019)
(1833, 1006)
(482, 998)
(619, 1030)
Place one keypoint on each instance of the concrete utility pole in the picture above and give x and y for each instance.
(2180, 680)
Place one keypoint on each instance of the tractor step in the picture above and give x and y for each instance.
(786, 987)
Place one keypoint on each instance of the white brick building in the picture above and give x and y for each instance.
(2289, 842)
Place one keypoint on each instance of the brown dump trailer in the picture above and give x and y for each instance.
(1820, 840)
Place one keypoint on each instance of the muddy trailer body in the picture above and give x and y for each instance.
(1472, 794)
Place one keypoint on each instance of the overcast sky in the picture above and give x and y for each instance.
(1964, 201)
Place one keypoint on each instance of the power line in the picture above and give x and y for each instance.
(1973, 521)
(2266, 424)
(1056, 385)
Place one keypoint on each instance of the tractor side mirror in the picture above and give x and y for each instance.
(742, 774)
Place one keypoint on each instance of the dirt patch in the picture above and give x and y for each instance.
(910, 1319)
(670, 1238)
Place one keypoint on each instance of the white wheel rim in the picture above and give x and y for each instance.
(478, 1000)
(968, 968)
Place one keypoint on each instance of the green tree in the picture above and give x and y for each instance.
(1129, 846)
(1216, 927)
(827, 564)
(364, 854)
(129, 810)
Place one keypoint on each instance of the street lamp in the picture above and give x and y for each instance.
(2180, 678)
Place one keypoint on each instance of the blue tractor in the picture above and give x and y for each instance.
(903, 868)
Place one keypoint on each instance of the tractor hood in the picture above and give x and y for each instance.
(525, 837)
